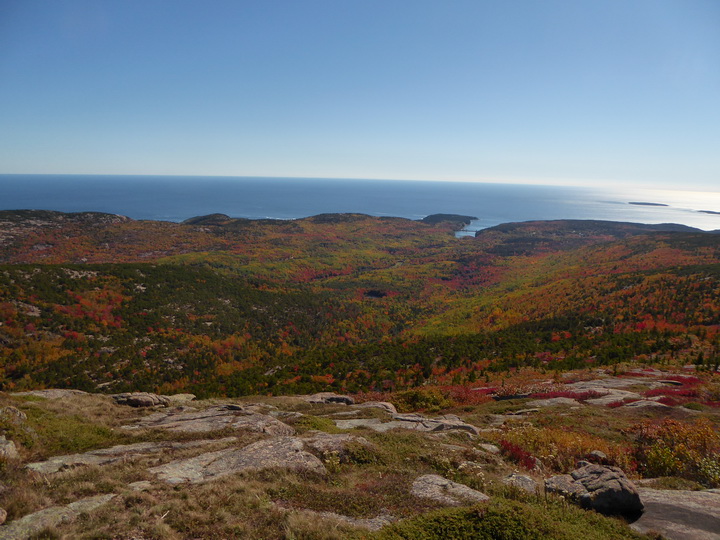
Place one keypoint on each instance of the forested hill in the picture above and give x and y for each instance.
(343, 302)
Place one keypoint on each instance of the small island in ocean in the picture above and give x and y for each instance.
(648, 204)
(452, 218)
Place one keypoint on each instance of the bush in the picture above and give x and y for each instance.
(509, 520)
(672, 448)
(421, 399)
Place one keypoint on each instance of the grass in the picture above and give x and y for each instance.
(372, 480)
(509, 520)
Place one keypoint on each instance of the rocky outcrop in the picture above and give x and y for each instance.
(338, 444)
(604, 489)
(385, 405)
(51, 393)
(278, 452)
(190, 420)
(414, 421)
(444, 491)
(141, 399)
(370, 524)
(329, 397)
(114, 454)
(34, 523)
(680, 515)
(553, 402)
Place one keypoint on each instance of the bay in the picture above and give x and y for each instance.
(176, 198)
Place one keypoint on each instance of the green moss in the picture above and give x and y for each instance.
(56, 434)
(509, 520)
(318, 423)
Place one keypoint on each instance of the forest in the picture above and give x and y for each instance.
(343, 302)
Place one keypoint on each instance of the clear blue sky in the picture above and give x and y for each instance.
(547, 91)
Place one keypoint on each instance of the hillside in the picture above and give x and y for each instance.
(461, 379)
(221, 306)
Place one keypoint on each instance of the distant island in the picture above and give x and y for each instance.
(451, 218)
(648, 204)
(709, 212)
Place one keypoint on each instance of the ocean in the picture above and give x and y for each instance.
(176, 198)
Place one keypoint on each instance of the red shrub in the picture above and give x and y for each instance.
(517, 454)
(580, 396)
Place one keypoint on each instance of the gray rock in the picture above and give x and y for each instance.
(444, 491)
(598, 487)
(386, 405)
(645, 404)
(329, 397)
(12, 414)
(491, 448)
(32, 524)
(612, 396)
(180, 398)
(370, 524)
(114, 454)
(278, 452)
(372, 423)
(522, 412)
(448, 422)
(680, 515)
(553, 402)
(414, 421)
(142, 485)
(213, 419)
(326, 443)
(141, 399)
(523, 482)
(51, 393)
(7, 449)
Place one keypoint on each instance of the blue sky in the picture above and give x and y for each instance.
(576, 92)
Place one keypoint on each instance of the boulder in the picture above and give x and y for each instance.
(444, 491)
(34, 523)
(386, 405)
(188, 420)
(278, 452)
(602, 488)
(523, 482)
(141, 399)
(7, 449)
(329, 397)
(680, 515)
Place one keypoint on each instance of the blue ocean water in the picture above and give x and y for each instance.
(176, 198)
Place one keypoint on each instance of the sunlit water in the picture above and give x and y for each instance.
(179, 198)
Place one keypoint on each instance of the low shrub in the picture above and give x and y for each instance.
(421, 399)
(503, 519)
(517, 454)
(560, 448)
(685, 449)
